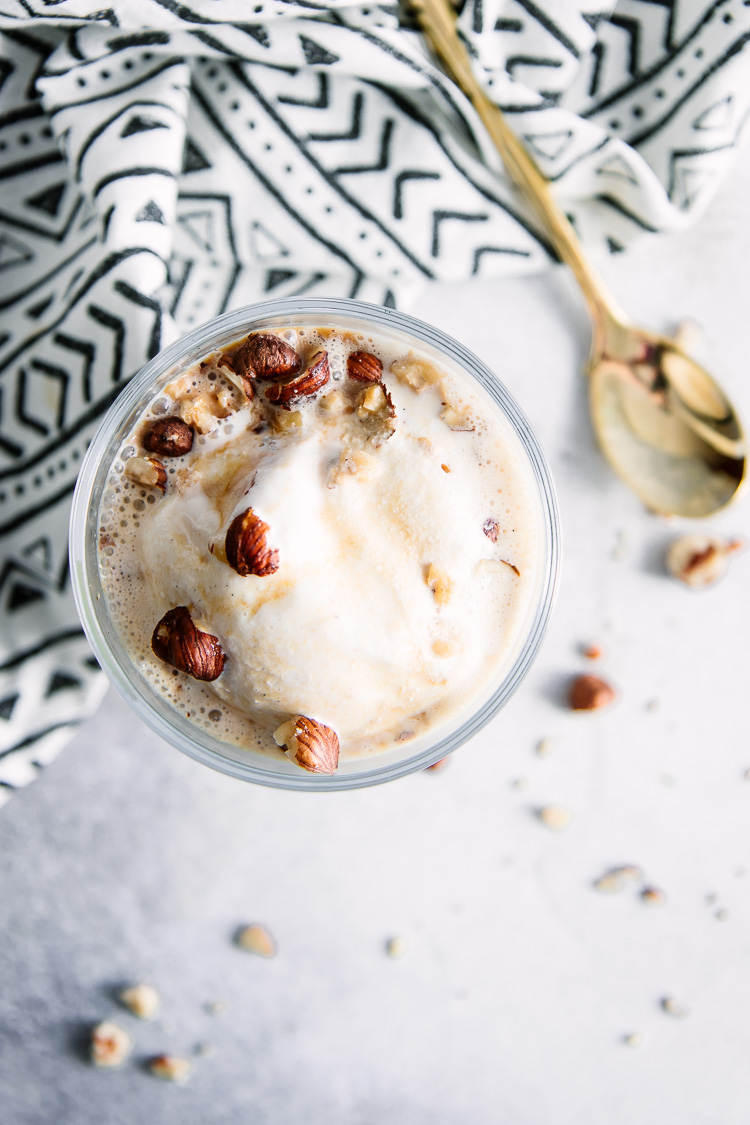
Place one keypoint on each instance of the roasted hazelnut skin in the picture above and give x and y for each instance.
(265, 356)
(246, 547)
(364, 367)
(590, 693)
(315, 376)
(176, 640)
(169, 437)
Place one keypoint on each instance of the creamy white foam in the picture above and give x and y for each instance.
(392, 609)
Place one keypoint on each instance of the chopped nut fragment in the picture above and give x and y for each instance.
(652, 896)
(364, 367)
(246, 546)
(169, 437)
(440, 583)
(375, 409)
(352, 462)
(700, 560)
(669, 1005)
(176, 640)
(309, 744)
(283, 421)
(545, 746)
(170, 1067)
(457, 418)
(110, 1045)
(415, 372)
(633, 1039)
(200, 413)
(592, 652)
(304, 385)
(589, 693)
(257, 939)
(491, 530)
(396, 947)
(437, 766)
(142, 999)
(333, 403)
(147, 471)
(615, 879)
(265, 356)
(556, 817)
(372, 400)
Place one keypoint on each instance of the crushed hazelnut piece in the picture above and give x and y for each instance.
(592, 652)
(371, 401)
(491, 530)
(545, 746)
(457, 418)
(589, 693)
(415, 372)
(172, 1068)
(333, 403)
(352, 462)
(396, 947)
(633, 1039)
(700, 560)
(142, 999)
(437, 766)
(614, 880)
(257, 939)
(283, 421)
(147, 471)
(309, 744)
(555, 817)
(652, 896)
(678, 1011)
(110, 1045)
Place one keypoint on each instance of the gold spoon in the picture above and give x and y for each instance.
(661, 421)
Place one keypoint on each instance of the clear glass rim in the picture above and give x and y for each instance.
(84, 524)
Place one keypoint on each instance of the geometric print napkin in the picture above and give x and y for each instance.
(162, 162)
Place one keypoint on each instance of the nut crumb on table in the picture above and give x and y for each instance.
(172, 1068)
(142, 999)
(257, 939)
(555, 817)
(110, 1044)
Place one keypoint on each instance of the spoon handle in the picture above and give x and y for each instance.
(437, 21)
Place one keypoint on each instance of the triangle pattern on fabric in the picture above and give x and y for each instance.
(13, 252)
(617, 165)
(141, 123)
(48, 200)
(22, 595)
(61, 681)
(200, 226)
(690, 184)
(193, 160)
(274, 278)
(7, 705)
(150, 214)
(40, 553)
(717, 116)
(550, 145)
(266, 245)
(315, 55)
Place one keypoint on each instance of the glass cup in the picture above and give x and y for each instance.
(91, 601)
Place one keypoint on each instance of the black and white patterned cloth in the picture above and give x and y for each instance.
(161, 162)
